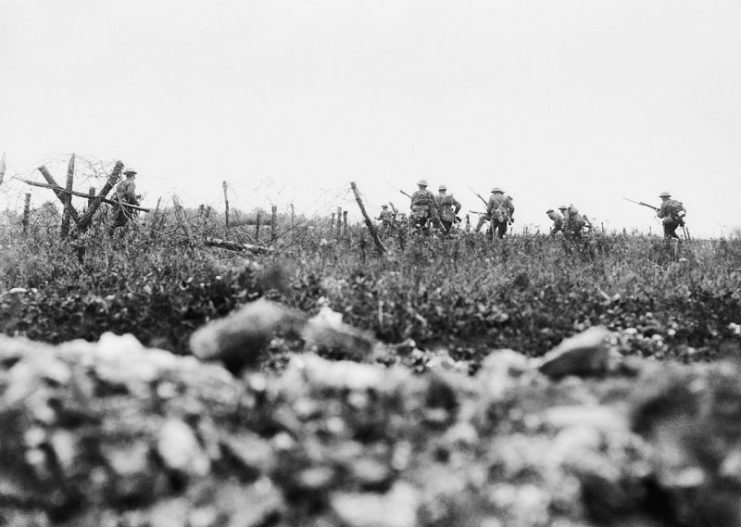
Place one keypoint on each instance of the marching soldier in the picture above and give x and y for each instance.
(500, 211)
(423, 207)
(125, 193)
(448, 208)
(672, 214)
(573, 223)
(557, 219)
(386, 218)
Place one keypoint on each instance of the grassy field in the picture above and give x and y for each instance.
(463, 293)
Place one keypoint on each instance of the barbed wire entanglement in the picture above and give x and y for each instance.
(252, 201)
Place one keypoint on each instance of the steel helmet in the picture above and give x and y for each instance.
(496, 189)
(549, 211)
(442, 187)
(665, 195)
(572, 208)
(422, 182)
(562, 207)
(129, 170)
(384, 206)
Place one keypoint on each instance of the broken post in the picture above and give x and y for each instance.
(90, 196)
(59, 192)
(87, 218)
(293, 217)
(344, 222)
(257, 225)
(26, 212)
(68, 197)
(368, 222)
(226, 209)
(273, 222)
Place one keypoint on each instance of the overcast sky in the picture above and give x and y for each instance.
(555, 101)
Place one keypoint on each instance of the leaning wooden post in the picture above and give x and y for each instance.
(26, 212)
(226, 209)
(59, 192)
(87, 218)
(368, 222)
(68, 197)
(273, 222)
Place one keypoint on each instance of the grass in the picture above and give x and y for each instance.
(465, 293)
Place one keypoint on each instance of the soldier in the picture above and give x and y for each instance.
(448, 208)
(125, 193)
(557, 219)
(500, 211)
(672, 214)
(423, 207)
(573, 223)
(386, 218)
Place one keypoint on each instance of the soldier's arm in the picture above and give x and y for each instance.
(457, 205)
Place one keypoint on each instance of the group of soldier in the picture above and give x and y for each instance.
(428, 209)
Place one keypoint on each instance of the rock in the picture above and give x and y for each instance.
(238, 339)
(397, 508)
(179, 449)
(584, 354)
(327, 332)
(250, 452)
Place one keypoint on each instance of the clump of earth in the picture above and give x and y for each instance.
(115, 434)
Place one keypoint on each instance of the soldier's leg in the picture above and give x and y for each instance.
(482, 220)
(502, 229)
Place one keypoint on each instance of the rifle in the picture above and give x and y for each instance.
(398, 189)
(393, 208)
(486, 203)
(642, 204)
(477, 212)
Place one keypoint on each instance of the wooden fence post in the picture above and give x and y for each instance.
(273, 222)
(226, 209)
(180, 216)
(257, 226)
(91, 196)
(153, 226)
(26, 212)
(293, 217)
(344, 223)
(87, 218)
(68, 197)
(368, 222)
(339, 222)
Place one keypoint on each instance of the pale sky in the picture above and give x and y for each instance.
(288, 101)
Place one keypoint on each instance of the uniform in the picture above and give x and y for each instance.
(423, 207)
(574, 223)
(387, 220)
(671, 213)
(557, 220)
(448, 208)
(499, 211)
(125, 193)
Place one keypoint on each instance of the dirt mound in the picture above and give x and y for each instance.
(112, 433)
